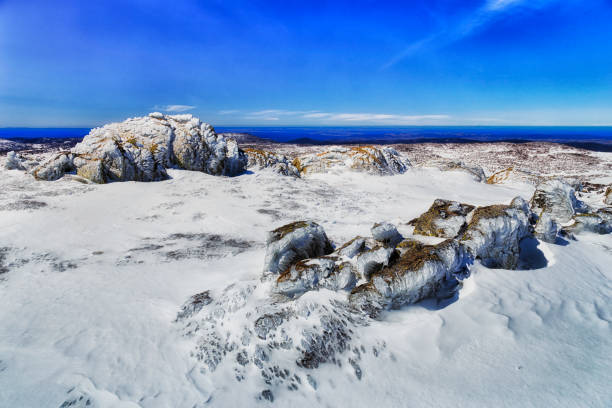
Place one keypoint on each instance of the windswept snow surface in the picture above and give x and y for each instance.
(92, 278)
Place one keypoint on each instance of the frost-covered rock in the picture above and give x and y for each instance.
(352, 248)
(373, 258)
(311, 274)
(557, 199)
(370, 159)
(599, 222)
(13, 161)
(386, 233)
(443, 219)
(476, 172)
(141, 149)
(55, 167)
(261, 159)
(294, 242)
(546, 228)
(494, 233)
(608, 196)
(415, 275)
(513, 175)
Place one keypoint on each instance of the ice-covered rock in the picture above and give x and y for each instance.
(311, 274)
(279, 163)
(373, 258)
(386, 233)
(494, 233)
(608, 196)
(13, 161)
(415, 275)
(55, 167)
(370, 159)
(141, 149)
(352, 248)
(546, 228)
(513, 175)
(444, 218)
(294, 242)
(475, 171)
(599, 222)
(556, 198)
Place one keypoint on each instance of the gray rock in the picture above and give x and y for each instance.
(141, 149)
(13, 161)
(557, 199)
(294, 242)
(444, 218)
(386, 233)
(312, 274)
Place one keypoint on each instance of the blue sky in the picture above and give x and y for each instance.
(480, 62)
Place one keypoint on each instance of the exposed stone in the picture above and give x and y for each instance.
(444, 218)
(141, 149)
(386, 233)
(513, 175)
(279, 163)
(311, 274)
(494, 232)
(556, 198)
(370, 159)
(294, 242)
(415, 275)
(476, 172)
(13, 161)
(194, 305)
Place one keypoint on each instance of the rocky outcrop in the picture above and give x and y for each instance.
(444, 218)
(13, 161)
(416, 274)
(476, 172)
(311, 274)
(294, 242)
(369, 159)
(261, 159)
(513, 175)
(141, 149)
(494, 232)
(599, 222)
(386, 233)
(554, 203)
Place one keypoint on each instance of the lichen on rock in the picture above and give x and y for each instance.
(141, 149)
(444, 218)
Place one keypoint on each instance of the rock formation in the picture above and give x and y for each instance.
(13, 161)
(444, 218)
(608, 196)
(294, 242)
(369, 159)
(141, 149)
(279, 163)
(476, 172)
(494, 232)
(513, 175)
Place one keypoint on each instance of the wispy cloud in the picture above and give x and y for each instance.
(174, 108)
(479, 19)
(340, 117)
(228, 112)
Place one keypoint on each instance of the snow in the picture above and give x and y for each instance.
(94, 285)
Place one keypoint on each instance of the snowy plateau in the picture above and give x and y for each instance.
(160, 264)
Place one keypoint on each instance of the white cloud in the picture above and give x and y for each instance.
(477, 20)
(228, 112)
(319, 117)
(174, 108)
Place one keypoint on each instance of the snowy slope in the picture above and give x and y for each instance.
(96, 274)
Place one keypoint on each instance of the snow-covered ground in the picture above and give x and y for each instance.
(92, 278)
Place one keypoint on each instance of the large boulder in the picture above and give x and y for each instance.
(292, 243)
(599, 222)
(13, 161)
(370, 159)
(513, 175)
(385, 233)
(444, 218)
(494, 233)
(311, 274)
(415, 275)
(556, 198)
(141, 149)
(475, 171)
(261, 159)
